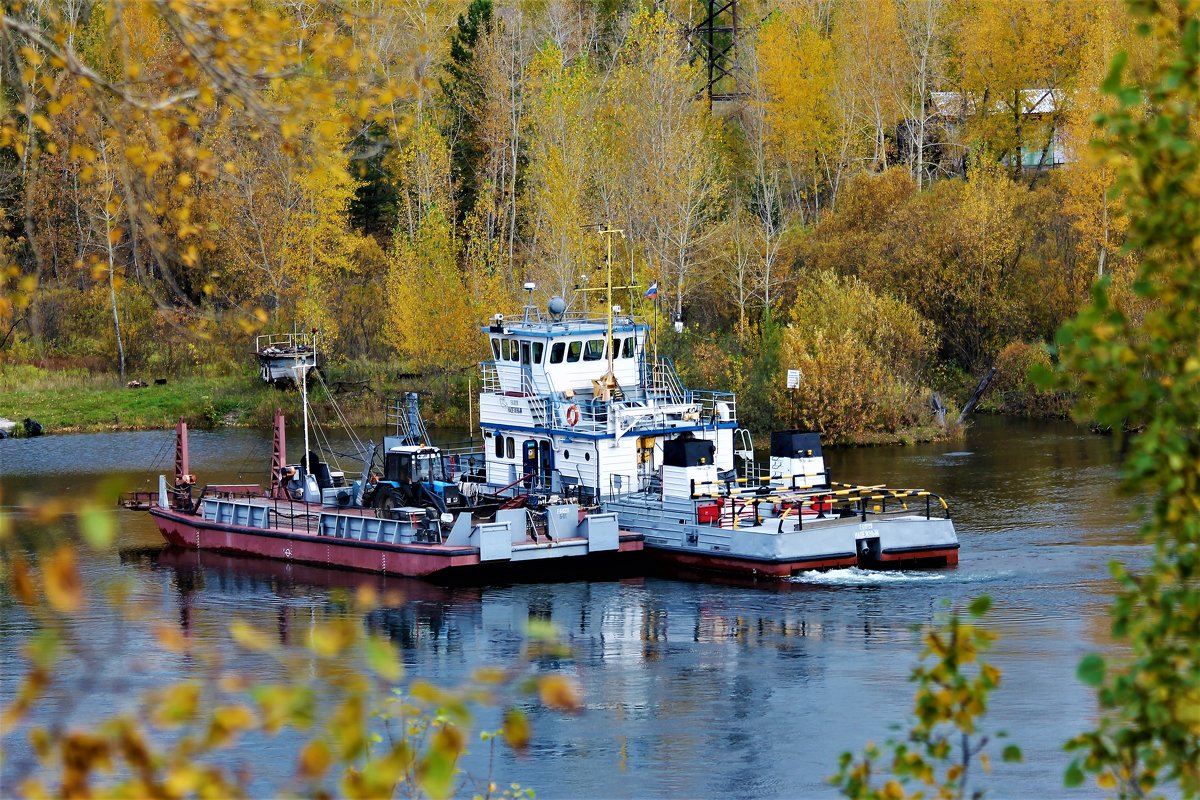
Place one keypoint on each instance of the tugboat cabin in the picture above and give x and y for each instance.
(574, 403)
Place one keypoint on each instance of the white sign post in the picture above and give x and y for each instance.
(793, 383)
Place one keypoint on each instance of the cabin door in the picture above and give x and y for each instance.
(545, 461)
(530, 463)
(645, 457)
(537, 462)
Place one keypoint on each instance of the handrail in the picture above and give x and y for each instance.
(540, 321)
(521, 479)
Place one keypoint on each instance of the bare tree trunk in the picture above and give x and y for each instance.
(112, 292)
(977, 395)
(1104, 245)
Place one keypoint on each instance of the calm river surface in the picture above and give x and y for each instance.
(691, 689)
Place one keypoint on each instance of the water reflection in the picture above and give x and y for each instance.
(692, 688)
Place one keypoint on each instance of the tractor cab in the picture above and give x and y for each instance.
(415, 475)
(414, 464)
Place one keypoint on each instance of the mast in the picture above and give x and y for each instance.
(604, 386)
(608, 281)
(302, 371)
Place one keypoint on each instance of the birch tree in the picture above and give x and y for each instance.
(559, 183)
(677, 182)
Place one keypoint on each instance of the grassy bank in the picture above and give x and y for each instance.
(73, 400)
(76, 401)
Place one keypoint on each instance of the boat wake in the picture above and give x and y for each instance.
(853, 576)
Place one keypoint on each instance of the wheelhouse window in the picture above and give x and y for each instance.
(538, 350)
(514, 353)
(495, 348)
(630, 345)
(594, 351)
(573, 351)
(557, 351)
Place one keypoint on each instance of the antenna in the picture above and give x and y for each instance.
(608, 381)
(529, 306)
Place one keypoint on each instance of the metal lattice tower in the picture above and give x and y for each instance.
(715, 41)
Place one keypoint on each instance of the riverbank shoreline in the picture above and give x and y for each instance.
(74, 401)
(78, 401)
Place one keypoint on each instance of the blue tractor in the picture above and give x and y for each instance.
(418, 475)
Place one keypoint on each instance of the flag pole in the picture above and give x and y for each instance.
(654, 366)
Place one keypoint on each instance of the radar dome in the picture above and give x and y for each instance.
(557, 306)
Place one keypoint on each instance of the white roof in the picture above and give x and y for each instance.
(1033, 101)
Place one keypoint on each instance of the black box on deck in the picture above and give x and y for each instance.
(795, 444)
(688, 452)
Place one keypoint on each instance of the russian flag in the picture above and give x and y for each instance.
(652, 292)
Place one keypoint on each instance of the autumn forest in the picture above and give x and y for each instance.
(891, 196)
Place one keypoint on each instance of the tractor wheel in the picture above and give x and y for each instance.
(387, 503)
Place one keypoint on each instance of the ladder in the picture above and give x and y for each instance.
(744, 448)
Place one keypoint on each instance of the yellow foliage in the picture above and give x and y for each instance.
(861, 356)
(559, 192)
(797, 65)
(422, 172)
(61, 581)
(281, 225)
(430, 312)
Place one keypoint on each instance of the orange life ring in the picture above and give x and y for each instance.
(572, 415)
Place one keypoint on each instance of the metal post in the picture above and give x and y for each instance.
(711, 49)
(278, 454)
(183, 474)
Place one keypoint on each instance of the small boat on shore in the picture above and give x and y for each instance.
(283, 356)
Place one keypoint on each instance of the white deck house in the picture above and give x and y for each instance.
(564, 407)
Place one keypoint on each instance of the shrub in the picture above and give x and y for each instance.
(1014, 393)
(862, 357)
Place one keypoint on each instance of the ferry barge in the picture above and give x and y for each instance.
(576, 402)
(310, 514)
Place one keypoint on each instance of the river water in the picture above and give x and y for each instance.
(691, 689)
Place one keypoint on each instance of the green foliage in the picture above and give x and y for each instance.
(1144, 372)
(944, 740)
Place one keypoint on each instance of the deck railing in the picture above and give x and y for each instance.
(283, 513)
(662, 381)
(285, 341)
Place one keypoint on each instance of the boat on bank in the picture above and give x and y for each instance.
(283, 356)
